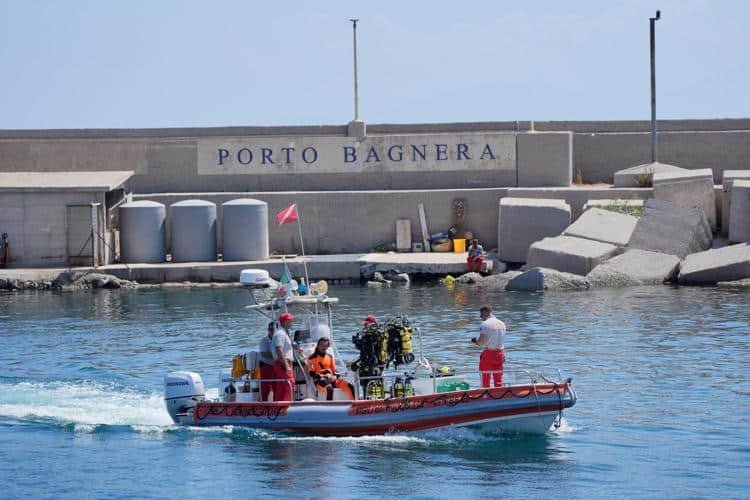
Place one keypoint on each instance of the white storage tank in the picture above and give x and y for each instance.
(193, 230)
(142, 232)
(244, 229)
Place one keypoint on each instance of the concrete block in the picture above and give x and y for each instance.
(545, 159)
(729, 176)
(539, 279)
(635, 268)
(722, 264)
(603, 225)
(666, 227)
(689, 189)
(630, 177)
(522, 221)
(568, 254)
(739, 222)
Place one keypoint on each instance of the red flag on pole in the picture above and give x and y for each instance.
(289, 214)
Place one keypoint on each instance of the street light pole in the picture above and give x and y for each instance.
(652, 23)
(356, 78)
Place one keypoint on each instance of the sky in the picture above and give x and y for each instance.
(185, 63)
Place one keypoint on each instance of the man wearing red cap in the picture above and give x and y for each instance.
(283, 363)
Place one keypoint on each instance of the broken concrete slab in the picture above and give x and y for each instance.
(712, 266)
(569, 254)
(630, 207)
(728, 178)
(689, 189)
(522, 221)
(539, 279)
(739, 221)
(603, 225)
(635, 268)
(666, 227)
(642, 175)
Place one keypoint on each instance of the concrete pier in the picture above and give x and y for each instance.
(328, 267)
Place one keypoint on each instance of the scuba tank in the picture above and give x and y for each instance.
(375, 390)
(238, 366)
(398, 390)
(408, 389)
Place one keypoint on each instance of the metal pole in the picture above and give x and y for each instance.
(652, 29)
(302, 245)
(356, 78)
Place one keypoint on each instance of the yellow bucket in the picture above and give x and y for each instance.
(459, 245)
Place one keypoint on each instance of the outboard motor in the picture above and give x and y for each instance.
(182, 390)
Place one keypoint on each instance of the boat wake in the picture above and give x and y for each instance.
(82, 406)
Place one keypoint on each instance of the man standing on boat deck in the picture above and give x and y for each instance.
(492, 338)
(283, 364)
(265, 349)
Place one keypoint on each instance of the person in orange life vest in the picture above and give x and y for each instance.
(265, 350)
(492, 338)
(283, 363)
(323, 371)
(475, 259)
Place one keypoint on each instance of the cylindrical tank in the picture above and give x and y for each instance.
(193, 230)
(244, 229)
(142, 228)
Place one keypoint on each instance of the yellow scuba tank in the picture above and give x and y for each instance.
(383, 352)
(238, 366)
(398, 389)
(375, 390)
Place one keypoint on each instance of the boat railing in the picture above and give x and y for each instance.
(515, 376)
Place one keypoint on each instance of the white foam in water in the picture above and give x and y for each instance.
(564, 427)
(84, 404)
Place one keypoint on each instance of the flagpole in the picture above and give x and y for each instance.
(302, 244)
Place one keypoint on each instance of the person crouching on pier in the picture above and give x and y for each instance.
(322, 369)
(492, 338)
(475, 259)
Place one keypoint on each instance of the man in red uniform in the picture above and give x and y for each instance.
(265, 350)
(492, 338)
(283, 360)
(322, 369)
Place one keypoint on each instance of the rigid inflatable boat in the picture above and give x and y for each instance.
(387, 400)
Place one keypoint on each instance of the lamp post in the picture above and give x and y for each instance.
(356, 78)
(652, 23)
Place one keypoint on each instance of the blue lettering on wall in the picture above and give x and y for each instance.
(441, 152)
(462, 152)
(305, 154)
(415, 151)
(372, 154)
(350, 154)
(287, 155)
(249, 156)
(267, 156)
(223, 155)
(399, 153)
(487, 152)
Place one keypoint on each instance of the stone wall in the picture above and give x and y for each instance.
(166, 160)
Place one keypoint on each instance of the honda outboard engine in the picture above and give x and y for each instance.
(182, 390)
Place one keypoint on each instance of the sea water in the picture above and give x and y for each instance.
(661, 373)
